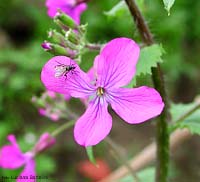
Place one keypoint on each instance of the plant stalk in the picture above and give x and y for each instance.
(63, 127)
(120, 157)
(162, 134)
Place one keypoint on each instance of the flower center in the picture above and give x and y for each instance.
(100, 91)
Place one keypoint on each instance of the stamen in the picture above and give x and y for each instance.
(100, 91)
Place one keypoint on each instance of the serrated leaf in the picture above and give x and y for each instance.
(121, 9)
(90, 155)
(118, 10)
(193, 126)
(149, 57)
(168, 4)
(145, 175)
(192, 121)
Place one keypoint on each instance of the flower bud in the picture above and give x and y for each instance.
(59, 50)
(46, 45)
(66, 20)
(72, 36)
(82, 29)
(45, 141)
(55, 37)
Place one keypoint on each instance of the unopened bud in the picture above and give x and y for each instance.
(46, 46)
(55, 37)
(66, 20)
(72, 36)
(45, 141)
(38, 101)
(59, 50)
(82, 28)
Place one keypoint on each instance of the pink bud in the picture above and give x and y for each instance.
(46, 46)
(45, 141)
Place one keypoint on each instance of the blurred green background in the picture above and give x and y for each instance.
(23, 27)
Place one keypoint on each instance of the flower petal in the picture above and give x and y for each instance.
(75, 82)
(69, 7)
(94, 125)
(11, 156)
(136, 105)
(117, 62)
(53, 6)
(77, 11)
(45, 141)
(29, 171)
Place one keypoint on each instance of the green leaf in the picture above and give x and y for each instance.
(192, 121)
(121, 9)
(118, 10)
(168, 4)
(143, 176)
(90, 155)
(149, 57)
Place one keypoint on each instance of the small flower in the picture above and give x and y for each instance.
(46, 46)
(54, 116)
(70, 7)
(45, 141)
(48, 104)
(114, 68)
(11, 156)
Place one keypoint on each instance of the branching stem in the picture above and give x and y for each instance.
(94, 47)
(63, 127)
(162, 135)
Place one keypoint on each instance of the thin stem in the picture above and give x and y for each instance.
(148, 155)
(162, 135)
(62, 128)
(120, 157)
(184, 116)
(140, 22)
(94, 47)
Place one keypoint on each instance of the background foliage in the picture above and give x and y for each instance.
(23, 27)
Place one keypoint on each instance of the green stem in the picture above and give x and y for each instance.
(94, 47)
(162, 135)
(63, 127)
(184, 116)
(120, 157)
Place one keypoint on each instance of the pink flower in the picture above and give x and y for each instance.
(11, 156)
(70, 7)
(48, 113)
(114, 68)
(50, 100)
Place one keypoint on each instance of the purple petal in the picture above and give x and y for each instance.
(117, 62)
(11, 156)
(77, 11)
(136, 105)
(51, 94)
(29, 171)
(54, 5)
(94, 125)
(42, 111)
(75, 82)
(68, 7)
(45, 141)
